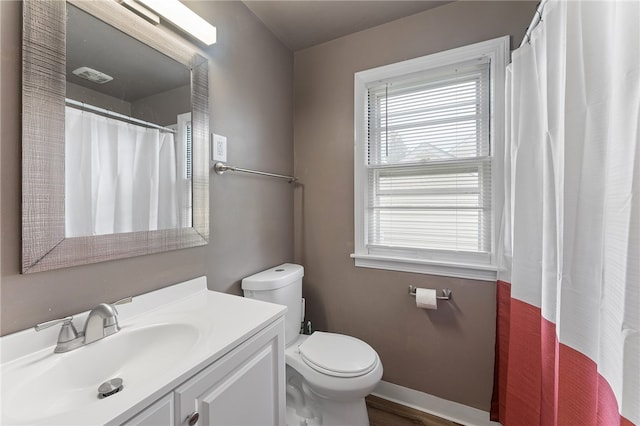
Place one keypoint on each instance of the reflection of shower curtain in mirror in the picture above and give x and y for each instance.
(103, 159)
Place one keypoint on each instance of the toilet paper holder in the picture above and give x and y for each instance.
(446, 293)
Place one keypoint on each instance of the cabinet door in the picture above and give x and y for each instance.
(244, 388)
(160, 413)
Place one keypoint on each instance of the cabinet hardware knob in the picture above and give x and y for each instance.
(193, 418)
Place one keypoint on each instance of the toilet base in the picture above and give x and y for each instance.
(306, 408)
(352, 414)
(293, 419)
(334, 413)
(341, 413)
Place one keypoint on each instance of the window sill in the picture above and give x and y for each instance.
(446, 269)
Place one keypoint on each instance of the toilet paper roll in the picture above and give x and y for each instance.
(426, 298)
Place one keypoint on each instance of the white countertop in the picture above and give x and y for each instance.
(222, 322)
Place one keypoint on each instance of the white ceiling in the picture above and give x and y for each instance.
(303, 23)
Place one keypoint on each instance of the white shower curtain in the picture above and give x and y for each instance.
(119, 177)
(568, 331)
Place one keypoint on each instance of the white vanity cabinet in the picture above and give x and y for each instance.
(181, 349)
(245, 387)
(159, 413)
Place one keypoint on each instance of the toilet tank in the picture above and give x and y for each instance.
(283, 285)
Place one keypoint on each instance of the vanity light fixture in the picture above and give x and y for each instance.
(184, 18)
(136, 7)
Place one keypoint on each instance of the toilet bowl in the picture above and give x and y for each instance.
(335, 376)
(328, 374)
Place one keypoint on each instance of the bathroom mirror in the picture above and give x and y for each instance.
(101, 83)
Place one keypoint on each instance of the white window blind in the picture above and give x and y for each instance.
(429, 163)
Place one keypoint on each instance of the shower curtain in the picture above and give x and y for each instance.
(119, 177)
(568, 339)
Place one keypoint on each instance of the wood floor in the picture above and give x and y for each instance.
(386, 413)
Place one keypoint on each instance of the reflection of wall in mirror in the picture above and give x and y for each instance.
(163, 108)
(95, 98)
(154, 84)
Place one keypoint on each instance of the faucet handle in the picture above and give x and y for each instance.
(67, 334)
(121, 302)
(44, 325)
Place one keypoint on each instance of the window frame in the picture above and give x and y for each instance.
(454, 264)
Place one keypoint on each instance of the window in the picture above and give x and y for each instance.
(428, 140)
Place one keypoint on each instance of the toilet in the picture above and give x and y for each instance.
(328, 374)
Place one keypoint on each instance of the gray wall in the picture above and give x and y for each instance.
(251, 218)
(448, 352)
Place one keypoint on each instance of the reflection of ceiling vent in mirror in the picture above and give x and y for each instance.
(92, 75)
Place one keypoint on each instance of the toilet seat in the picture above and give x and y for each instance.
(338, 355)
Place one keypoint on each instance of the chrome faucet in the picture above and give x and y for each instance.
(102, 321)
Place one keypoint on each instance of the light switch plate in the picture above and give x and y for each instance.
(219, 148)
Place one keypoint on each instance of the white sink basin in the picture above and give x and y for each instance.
(58, 383)
(167, 337)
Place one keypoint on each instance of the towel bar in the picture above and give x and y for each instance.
(220, 168)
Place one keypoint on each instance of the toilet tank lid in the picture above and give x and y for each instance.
(273, 278)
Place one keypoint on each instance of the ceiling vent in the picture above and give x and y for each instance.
(92, 75)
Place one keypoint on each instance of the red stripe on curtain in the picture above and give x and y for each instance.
(539, 381)
(498, 399)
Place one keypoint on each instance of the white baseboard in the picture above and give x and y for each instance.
(443, 408)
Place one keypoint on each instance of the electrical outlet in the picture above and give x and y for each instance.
(219, 148)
